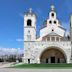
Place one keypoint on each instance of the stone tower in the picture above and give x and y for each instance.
(29, 34)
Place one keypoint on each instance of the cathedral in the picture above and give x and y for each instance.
(52, 46)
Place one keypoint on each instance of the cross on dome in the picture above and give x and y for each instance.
(52, 7)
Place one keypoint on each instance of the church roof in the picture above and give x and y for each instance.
(53, 34)
(61, 27)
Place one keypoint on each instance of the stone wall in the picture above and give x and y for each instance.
(33, 50)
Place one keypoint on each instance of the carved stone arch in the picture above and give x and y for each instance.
(51, 53)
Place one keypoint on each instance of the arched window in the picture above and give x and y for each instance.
(52, 14)
(29, 22)
(54, 22)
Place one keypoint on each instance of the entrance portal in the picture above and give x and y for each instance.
(52, 59)
(52, 55)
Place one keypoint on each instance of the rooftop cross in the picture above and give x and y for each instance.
(52, 7)
(30, 10)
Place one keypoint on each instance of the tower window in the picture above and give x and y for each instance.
(29, 22)
(52, 14)
(54, 22)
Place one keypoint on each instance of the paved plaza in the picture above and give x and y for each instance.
(34, 70)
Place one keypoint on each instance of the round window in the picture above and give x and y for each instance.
(54, 22)
(52, 29)
(50, 22)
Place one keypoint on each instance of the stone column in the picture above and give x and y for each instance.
(55, 60)
(38, 61)
(68, 59)
(50, 38)
(59, 38)
(49, 60)
(55, 38)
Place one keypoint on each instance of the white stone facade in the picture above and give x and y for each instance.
(51, 36)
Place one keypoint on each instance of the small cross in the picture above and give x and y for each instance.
(30, 10)
(52, 8)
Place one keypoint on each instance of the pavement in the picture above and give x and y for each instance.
(5, 64)
(34, 70)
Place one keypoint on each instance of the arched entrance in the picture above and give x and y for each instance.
(52, 55)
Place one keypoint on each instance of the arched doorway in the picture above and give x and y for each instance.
(52, 55)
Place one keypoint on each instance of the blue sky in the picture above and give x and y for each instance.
(11, 18)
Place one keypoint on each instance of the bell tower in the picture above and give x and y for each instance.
(53, 17)
(29, 26)
(52, 14)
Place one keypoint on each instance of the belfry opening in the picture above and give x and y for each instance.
(52, 55)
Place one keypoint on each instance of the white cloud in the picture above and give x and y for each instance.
(19, 40)
(8, 51)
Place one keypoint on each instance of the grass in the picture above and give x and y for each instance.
(43, 66)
